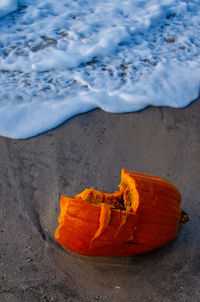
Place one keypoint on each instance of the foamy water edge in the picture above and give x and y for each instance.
(59, 60)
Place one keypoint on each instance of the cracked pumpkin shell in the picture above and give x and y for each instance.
(143, 215)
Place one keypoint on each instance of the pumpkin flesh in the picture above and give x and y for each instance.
(143, 215)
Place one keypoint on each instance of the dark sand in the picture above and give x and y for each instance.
(90, 150)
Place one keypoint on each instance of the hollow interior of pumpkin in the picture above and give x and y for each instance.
(123, 200)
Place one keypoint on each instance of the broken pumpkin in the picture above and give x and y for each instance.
(143, 215)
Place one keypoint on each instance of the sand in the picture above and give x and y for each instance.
(90, 150)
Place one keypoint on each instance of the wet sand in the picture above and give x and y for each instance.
(90, 150)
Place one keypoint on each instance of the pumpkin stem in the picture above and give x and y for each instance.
(184, 217)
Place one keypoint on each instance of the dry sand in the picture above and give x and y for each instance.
(90, 150)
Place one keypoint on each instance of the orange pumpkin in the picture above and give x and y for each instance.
(143, 215)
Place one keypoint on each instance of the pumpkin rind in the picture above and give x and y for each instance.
(143, 215)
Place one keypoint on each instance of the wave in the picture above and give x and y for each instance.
(58, 59)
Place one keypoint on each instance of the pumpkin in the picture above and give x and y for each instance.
(143, 215)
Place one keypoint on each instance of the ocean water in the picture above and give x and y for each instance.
(61, 58)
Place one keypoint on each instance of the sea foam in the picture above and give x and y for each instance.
(58, 59)
(7, 7)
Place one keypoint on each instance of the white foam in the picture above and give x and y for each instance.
(58, 59)
(7, 7)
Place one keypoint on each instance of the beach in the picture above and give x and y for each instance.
(89, 150)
